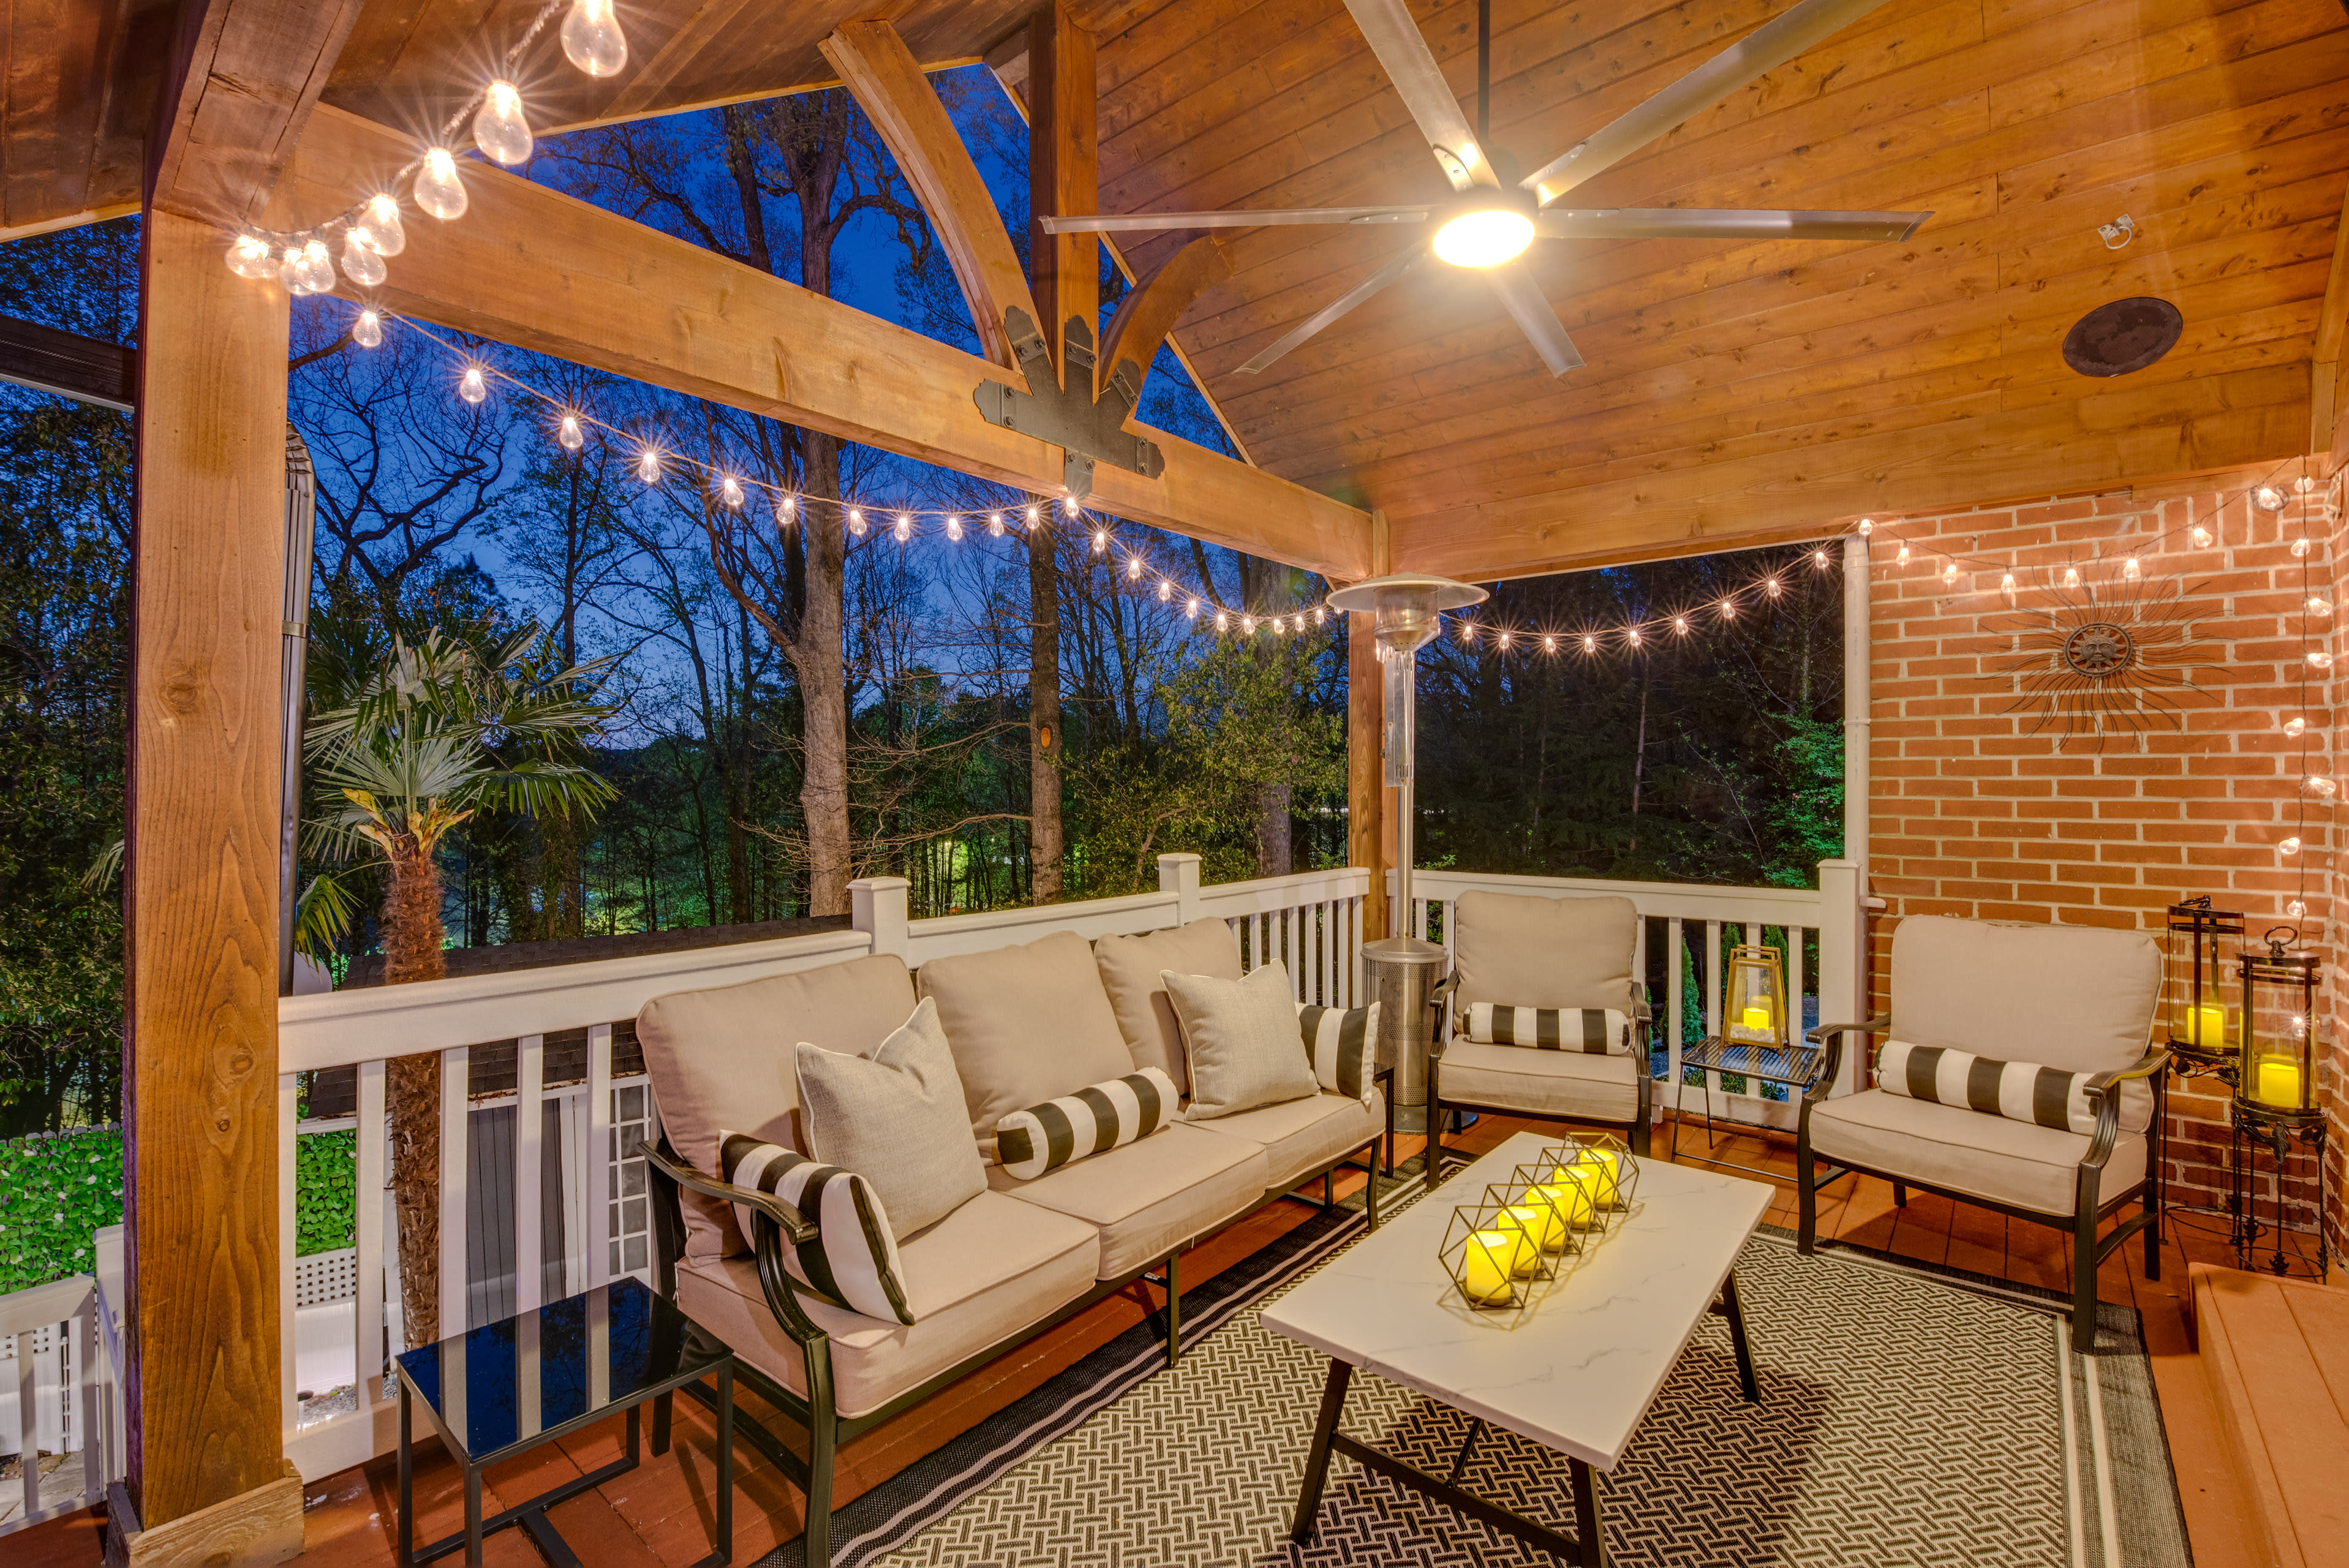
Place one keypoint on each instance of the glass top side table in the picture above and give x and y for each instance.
(1794, 1067)
(503, 1388)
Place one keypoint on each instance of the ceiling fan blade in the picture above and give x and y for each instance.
(1336, 308)
(1764, 50)
(1523, 296)
(1411, 64)
(1263, 217)
(1721, 223)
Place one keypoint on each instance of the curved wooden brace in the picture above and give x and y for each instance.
(887, 82)
(1149, 310)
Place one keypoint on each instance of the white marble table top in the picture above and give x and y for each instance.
(1576, 1370)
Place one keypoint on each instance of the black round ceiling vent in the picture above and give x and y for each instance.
(2125, 336)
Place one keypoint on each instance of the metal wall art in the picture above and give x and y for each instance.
(2107, 652)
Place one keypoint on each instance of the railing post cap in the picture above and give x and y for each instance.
(1178, 857)
(876, 885)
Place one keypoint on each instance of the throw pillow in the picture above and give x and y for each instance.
(1241, 1038)
(1093, 1120)
(1342, 1044)
(853, 1260)
(897, 1117)
(1593, 1031)
(2020, 1091)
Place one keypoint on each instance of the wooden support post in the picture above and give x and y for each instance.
(1369, 828)
(1064, 176)
(200, 1068)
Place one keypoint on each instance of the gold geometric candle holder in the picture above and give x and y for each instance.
(1528, 1231)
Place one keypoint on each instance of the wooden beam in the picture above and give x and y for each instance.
(1368, 807)
(2328, 429)
(200, 896)
(540, 270)
(252, 72)
(887, 82)
(68, 364)
(1148, 312)
(1063, 174)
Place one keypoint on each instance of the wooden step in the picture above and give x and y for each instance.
(2276, 1354)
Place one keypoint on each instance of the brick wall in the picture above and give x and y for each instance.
(1970, 814)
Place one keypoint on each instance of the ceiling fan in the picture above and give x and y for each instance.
(1487, 228)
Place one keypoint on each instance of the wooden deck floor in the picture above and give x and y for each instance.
(657, 1515)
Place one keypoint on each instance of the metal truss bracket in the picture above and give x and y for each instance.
(1086, 432)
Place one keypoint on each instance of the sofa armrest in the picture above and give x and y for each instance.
(795, 1226)
(1831, 1035)
(2104, 1093)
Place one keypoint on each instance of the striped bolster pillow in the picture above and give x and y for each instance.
(1342, 1044)
(1593, 1031)
(2020, 1091)
(1093, 1120)
(853, 1260)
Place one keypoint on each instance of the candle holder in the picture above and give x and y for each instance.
(1756, 997)
(2275, 1103)
(1493, 1262)
(2203, 1032)
(1527, 1231)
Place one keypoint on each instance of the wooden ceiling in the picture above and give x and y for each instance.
(1736, 391)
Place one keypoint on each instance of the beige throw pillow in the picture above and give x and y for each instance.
(897, 1118)
(1242, 1039)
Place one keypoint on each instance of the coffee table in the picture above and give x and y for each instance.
(507, 1387)
(1575, 1372)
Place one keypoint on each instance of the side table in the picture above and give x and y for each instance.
(1795, 1066)
(503, 1388)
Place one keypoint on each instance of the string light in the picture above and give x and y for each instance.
(367, 330)
(2129, 569)
(2202, 537)
(471, 386)
(1867, 526)
(1820, 556)
(2267, 497)
(2290, 846)
(2320, 606)
(2321, 787)
(360, 264)
(1589, 644)
(1679, 625)
(1247, 625)
(1101, 541)
(1549, 644)
(1467, 631)
(995, 523)
(591, 39)
(1505, 642)
(905, 528)
(498, 128)
(1773, 587)
(439, 191)
(1318, 614)
(648, 466)
(1166, 591)
(1634, 634)
(953, 528)
(1222, 620)
(1729, 609)
(1903, 558)
(857, 520)
(2301, 547)
(1033, 513)
(1191, 609)
(384, 233)
(2296, 727)
(1133, 567)
(1950, 574)
(2320, 660)
(730, 490)
(2295, 910)
(2006, 586)
(784, 507)
(2071, 577)
(248, 257)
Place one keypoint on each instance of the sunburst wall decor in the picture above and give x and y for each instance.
(2104, 652)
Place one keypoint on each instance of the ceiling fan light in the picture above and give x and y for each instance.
(1485, 237)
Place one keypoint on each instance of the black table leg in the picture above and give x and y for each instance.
(1729, 1309)
(1587, 1535)
(473, 1517)
(1316, 1457)
(406, 1534)
(661, 1406)
(726, 1463)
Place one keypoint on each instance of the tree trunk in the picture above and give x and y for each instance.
(1045, 742)
(817, 655)
(411, 952)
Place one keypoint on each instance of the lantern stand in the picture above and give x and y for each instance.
(2275, 1101)
(2202, 1038)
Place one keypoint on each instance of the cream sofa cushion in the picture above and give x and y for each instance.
(1547, 1083)
(2078, 998)
(1149, 1198)
(1525, 952)
(1129, 968)
(2017, 1163)
(1027, 1024)
(1302, 1135)
(987, 1272)
(721, 1059)
(893, 1116)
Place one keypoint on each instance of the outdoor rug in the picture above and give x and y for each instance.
(1909, 1416)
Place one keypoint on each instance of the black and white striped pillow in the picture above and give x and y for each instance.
(2020, 1091)
(1593, 1031)
(1093, 1120)
(1342, 1044)
(853, 1260)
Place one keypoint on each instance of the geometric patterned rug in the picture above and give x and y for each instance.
(1909, 1416)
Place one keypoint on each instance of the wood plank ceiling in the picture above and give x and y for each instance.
(1736, 391)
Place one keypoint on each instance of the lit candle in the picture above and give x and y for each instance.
(1757, 1016)
(1487, 1267)
(1583, 1181)
(2279, 1082)
(1531, 1223)
(1604, 1160)
(2207, 1027)
(1569, 1207)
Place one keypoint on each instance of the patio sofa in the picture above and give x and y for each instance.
(1023, 1024)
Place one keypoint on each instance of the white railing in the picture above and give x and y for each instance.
(53, 1398)
(1819, 931)
(334, 1347)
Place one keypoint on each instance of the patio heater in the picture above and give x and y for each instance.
(1402, 972)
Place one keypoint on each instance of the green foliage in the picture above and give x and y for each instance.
(326, 1191)
(55, 1192)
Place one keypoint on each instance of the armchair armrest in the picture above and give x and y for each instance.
(1437, 1000)
(796, 1227)
(1831, 1035)
(766, 1246)
(2102, 1092)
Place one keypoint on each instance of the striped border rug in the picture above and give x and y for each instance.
(1911, 1415)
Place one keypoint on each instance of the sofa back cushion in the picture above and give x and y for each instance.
(1027, 1024)
(720, 1060)
(2077, 998)
(1130, 967)
(1521, 952)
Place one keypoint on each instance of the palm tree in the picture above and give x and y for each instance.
(434, 733)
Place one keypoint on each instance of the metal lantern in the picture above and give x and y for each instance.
(2276, 1103)
(2202, 1031)
(1402, 972)
(1756, 997)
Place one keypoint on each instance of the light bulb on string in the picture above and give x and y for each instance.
(1549, 644)
(1101, 541)
(648, 466)
(591, 39)
(2129, 569)
(1505, 642)
(2301, 547)
(1035, 515)
(1821, 557)
(995, 523)
(729, 492)
(473, 387)
(248, 257)
(2303, 485)
(1949, 575)
(1467, 631)
(1867, 526)
(289, 271)
(360, 264)
(313, 273)
(2006, 586)
(2071, 577)
(953, 528)
(367, 330)
(784, 507)
(2202, 537)
(1192, 610)
(1133, 566)
(2320, 605)
(2290, 846)
(857, 520)
(439, 189)
(1632, 636)
(1902, 559)
(1247, 624)
(1068, 505)
(569, 434)
(2323, 788)
(1589, 644)
(1679, 625)
(1279, 625)
(1773, 585)
(498, 128)
(1223, 621)
(385, 234)
(905, 528)
(1165, 590)
(1318, 614)
(2267, 497)
(2296, 727)
(2320, 660)
(1729, 609)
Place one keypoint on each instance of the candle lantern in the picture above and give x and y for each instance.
(2202, 1025)
(2276, 1105)
(2277, 1027)
(1756, 997)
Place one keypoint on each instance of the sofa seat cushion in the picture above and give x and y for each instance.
(2017, 1163)
(1302, 1135)
(1547, 1083)
(1151, 1197)
(978, 1277)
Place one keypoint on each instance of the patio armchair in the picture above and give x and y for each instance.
(1515, 951)
(2078, 999)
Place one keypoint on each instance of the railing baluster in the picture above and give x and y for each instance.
(28, 1421)
(456, 1098)
(367, 1271)
(600, 1191)
(1714, 986)
(1675, 1030)
(289, 1412)
(84, 1375)
(530, 1176)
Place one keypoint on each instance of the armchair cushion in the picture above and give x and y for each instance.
(2077, 999)
(1597, 1031)
(1545, 1083)
(1543, 952)
(1027, 1024)
(1130, 967)
(2025, 1091)
(2018, 1163)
